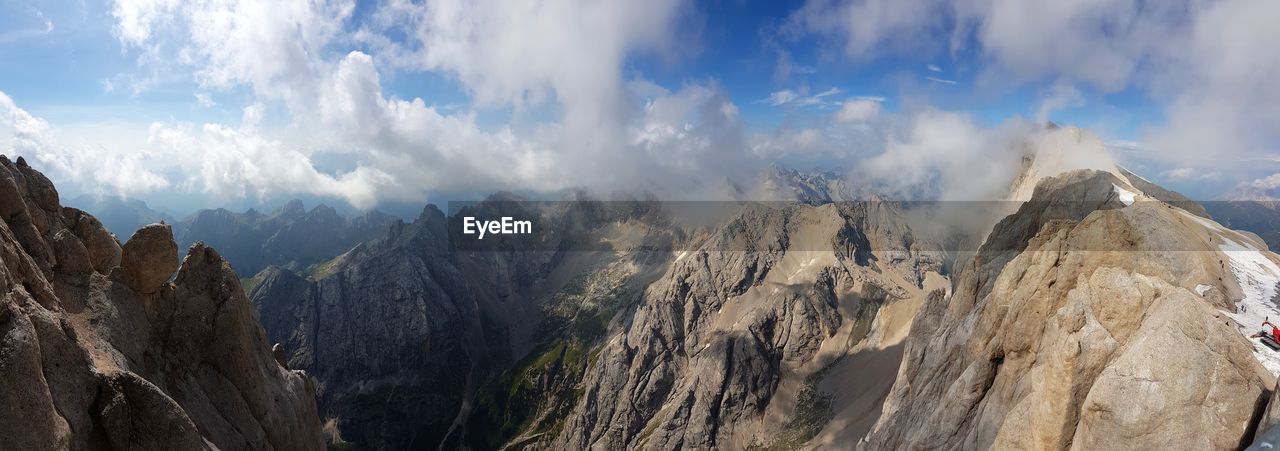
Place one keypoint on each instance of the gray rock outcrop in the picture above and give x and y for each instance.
(1077, 325)
(149, 258)
(722, 349)
(100, 354)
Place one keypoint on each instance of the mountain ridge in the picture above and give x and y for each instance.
(102, 351)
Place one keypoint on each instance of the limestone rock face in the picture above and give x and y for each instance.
(136, 415)
(717, 346)
(391, 331)
(89, 365)
(1271, 417)
(722, 348)
(104, 251)
(149, 258)
(1078, 325)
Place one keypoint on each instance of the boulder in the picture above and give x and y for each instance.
(277, 352)
(149, 258)
(104, 250)
(70, 253)
(135, 414)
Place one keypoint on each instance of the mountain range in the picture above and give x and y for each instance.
(291, 236)
(795, 325)
(1095, 309)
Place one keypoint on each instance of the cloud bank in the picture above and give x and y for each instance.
(314, 99)
(1210, 66)
(311, 81)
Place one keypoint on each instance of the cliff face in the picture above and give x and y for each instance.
(1091, 317)
(389, 329)
(99, 351)
(1102, 311)
(750, 336)
(731, 349)
(405, 335)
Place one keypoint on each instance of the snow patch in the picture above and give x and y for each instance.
(1126, 196)
(1258, 277)
(1135, 174)
(803, 266)
(1203, 222)
(1256, 274)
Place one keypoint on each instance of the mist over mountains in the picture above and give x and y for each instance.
(618, 225)
(290, 236)
(824, 312)
(782, 325)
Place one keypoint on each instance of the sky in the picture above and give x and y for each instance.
(207, 103)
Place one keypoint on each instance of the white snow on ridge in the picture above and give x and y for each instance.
(1256, 274)
(1126, 196)
(1204, 222)
(1135, 174)
(1202, 289)
(1258, 277)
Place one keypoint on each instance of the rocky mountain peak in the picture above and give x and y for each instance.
(431, 213)
(324, 211)
(100, 353)
(777, 183)
(149, 258)
(293, 208)
(1053, 151)
(1089, 291)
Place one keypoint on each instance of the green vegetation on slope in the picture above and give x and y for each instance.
(529, 402)
(813, 412)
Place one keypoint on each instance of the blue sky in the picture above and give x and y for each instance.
(210, 103)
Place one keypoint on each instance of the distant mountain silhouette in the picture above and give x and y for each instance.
(120, 216)
(292, 236)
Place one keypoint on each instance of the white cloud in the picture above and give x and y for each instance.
(858, 110)
(317, 89)
(204, 100)
(866, 28)
(804, 70)
(525, 51)
(939, 155)
(1125, 145)
(233, 162)
(685, 135)
(789, 97)
(1178, 174)
(1221, 83)
(783, 97)
(1270, 182)
(22, 134)
(334, 102)
(272, 47)
(36, 26)
(1189, 174)
(805, 144)
(1211, 66)
(1060, 96)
